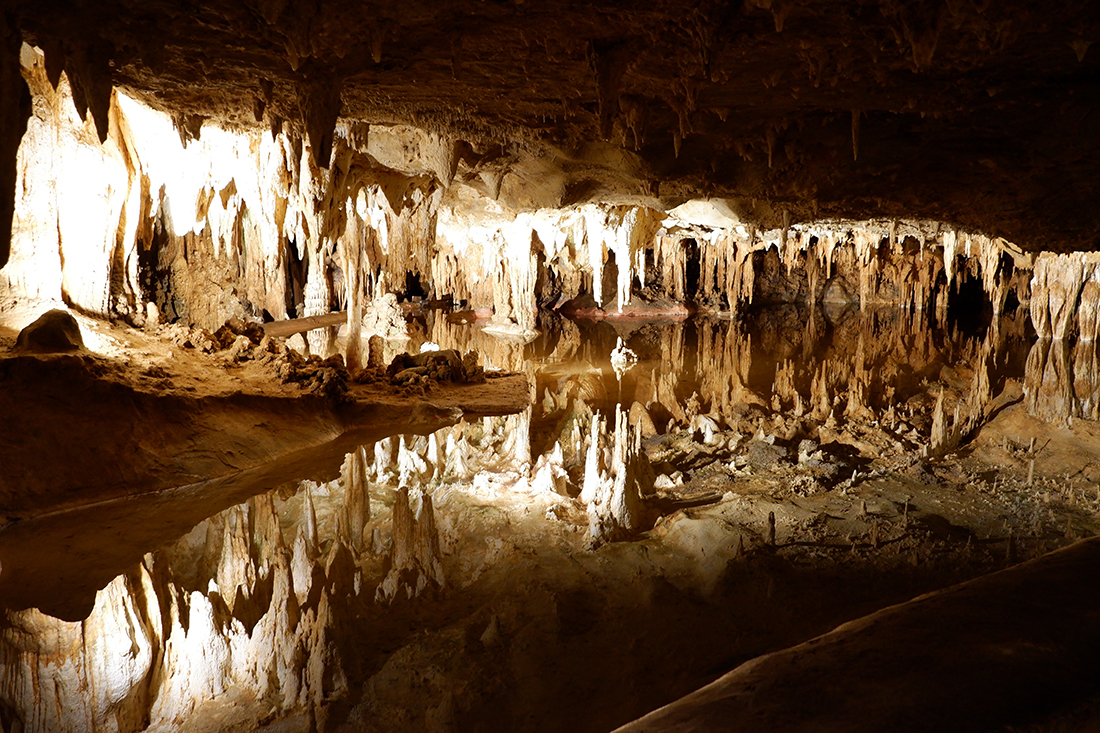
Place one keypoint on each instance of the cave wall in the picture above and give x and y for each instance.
(170, 218)
(209, 223)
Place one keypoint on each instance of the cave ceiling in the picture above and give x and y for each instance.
(976, 113)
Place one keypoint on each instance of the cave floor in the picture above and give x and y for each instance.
(537, 627)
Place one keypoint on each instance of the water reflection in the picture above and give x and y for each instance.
(279, 602)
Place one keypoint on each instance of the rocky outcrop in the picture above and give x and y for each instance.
(54, 331)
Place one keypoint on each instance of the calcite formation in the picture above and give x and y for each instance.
(868, 206)
(844, 111)
(1061, 382)
(246, 224)
(258, 597)
(154, 647)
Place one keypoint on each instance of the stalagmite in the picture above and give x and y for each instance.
(593, 471)
(353, 292)
(549, 474)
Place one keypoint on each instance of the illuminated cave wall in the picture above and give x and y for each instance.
(197, 224)
(207, 223)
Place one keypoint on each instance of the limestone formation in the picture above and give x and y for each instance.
(54, 331)
(152, 650)
(812, 237)
(414, 564)
(13, 123)
(248, 220)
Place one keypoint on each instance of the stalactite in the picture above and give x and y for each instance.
(414, 565)
(88, 66)
(318, 301)
(263, 202)
(855, 134)
(320, 107)
(355, 512)
(15, 110)
(609, 64)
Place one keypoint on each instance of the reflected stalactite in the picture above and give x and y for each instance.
(158, 645)
(610, 490)
(413, 566)
(254, 597)
(356, 509)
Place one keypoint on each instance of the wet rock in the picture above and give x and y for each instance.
(375, 352)
(55, 331)
(447, 365)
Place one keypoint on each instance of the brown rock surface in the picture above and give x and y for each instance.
(983, 116)
(1002, 649)
(53, 332)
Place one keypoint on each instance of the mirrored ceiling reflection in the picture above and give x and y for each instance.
(648, 492)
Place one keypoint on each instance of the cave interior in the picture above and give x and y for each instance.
(481, 365)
